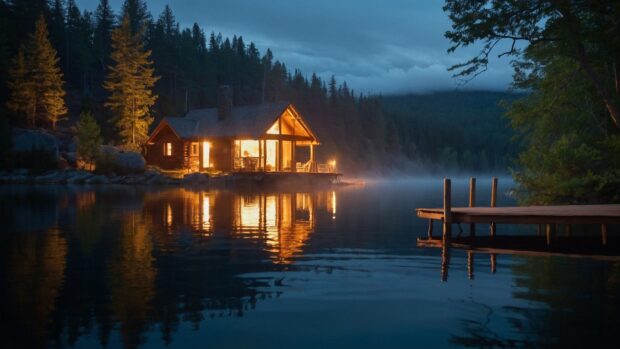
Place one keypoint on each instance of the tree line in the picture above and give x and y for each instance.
(130, 69)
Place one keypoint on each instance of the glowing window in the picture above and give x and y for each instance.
(194, 149)
(167, 149)
(249, 148)
(206, 155)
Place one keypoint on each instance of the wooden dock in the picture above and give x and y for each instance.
(564, 214)
(546, 217)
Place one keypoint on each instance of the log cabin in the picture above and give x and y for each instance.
(253, 138)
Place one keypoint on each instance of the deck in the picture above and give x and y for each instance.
(286, 178)
(548, 218)
(565, 214)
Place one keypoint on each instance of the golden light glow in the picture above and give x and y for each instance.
(272, 149)
(168, 215)
(249, 148)
(274, 129)
(206, 155)
(167, 149)
(206, 214)
(333, 204)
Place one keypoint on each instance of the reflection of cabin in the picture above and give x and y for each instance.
(235, 139)
(282, 222)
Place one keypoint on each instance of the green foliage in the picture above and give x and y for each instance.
(88, 138)
(130, 84)
(36, 80)
(566, 55)
(571, 145)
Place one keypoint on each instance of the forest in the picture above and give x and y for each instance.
(366, 133)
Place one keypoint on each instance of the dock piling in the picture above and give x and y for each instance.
(493, 202)
(604, 234)
(447, 210)
(430, 228)
(472, 203)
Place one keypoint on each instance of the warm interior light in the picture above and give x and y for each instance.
(206, 154)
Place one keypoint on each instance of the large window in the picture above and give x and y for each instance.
(167, 149)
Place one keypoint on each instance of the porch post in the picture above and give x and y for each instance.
(312, 164)
(260, 155)
(279, 159)
(293, 163)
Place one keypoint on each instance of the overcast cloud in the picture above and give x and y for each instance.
(378, 46)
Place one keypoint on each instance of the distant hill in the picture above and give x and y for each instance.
(463, 130)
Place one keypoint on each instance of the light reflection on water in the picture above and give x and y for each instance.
(131, 267)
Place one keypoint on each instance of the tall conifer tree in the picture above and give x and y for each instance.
(130, 82)
(36, 81)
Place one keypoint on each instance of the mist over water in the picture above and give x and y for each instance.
(173, 267)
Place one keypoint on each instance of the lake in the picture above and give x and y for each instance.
(129, 267)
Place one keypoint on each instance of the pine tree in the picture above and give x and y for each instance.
(138, 15)
(130, 83)
(22, 101)
(104, 21)
(36, 80)
(88, 138)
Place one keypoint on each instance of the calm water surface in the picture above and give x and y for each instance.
(114, 267)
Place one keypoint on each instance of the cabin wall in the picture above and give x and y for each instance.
(221, 154)
(154, 154)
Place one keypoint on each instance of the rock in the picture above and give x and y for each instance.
(63, 163)
(195, 178)
(51, 177)
(28, 141)
(77, 177)
(72, 147)
(124, 162)
(71, 157)
(98, 179)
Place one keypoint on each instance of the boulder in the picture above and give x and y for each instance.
(76, 177)
(51, 177)
(28, 141)
(99, 179)
(195, 178)
(71, 158)
(124, 162)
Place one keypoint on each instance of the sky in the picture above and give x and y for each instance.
(386, 46)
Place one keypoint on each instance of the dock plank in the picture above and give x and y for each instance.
(564, 214)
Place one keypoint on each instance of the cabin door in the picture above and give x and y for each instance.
(206, 154)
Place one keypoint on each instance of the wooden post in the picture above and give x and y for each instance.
(493, 202)
(447, 210)
(430, 229)
(604, 234)
(470, 265)
(550, 231)
(445, 261)
(493, 263)
(472, 203)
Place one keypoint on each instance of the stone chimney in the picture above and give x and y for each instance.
(224, 101)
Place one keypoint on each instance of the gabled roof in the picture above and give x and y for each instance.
(250, 121)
